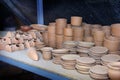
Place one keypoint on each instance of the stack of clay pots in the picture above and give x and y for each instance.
(112, 43)
(52, 36)
(68, 33)
(106, 30)
(70, 45)
(97, 52)
(114, 70)
(61, 23)
(83, 48)
(99, 72)
(98, 37)
(106, 59)
(84, 64)
(57, 53)
(68, 61)
(45, 37)
(47, 53)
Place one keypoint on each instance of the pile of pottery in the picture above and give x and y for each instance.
(83, 48)
(109, 58)
(99, 72)
(84, 64)
(57, 53)
(97, 52)
(70, 45)
(114, 70)
(68, 61)
(47, 53)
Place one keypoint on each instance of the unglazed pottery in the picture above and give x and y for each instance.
(32, 54)
(47, 55)
(46, 49)
(115, 29)
(60, 51)
(67, 38)
(39, 27)
(114, 70)
(76, 20)
(51, 29)
(85, 44)
(61, 23)
(45, 37)
(59, 41)
(88, 39)
(68, 32)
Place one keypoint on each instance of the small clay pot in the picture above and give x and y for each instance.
(115, 29)
(47, 55)
(61, 23)
(52, 24)
(68, 32)
(112, 43)
(114, 70)
(76, 20)
(51, 29)
(46, 49)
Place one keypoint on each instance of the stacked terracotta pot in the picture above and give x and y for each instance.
(84, 64)
(61, 23)
(68, 61)
(99, 72)
(71, 46)
(57, 53)
(83, 48)
(97, 52)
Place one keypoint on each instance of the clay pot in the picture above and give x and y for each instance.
(59, 41)
(25, 28)
(47, 55)
(78, 34)
(68, 32)
(115, 29)
(32, 54)
(52, 24)
(76, 20)
(88, 39)
(52, 40)
(114, 70)
(45, 37)
(99, 35)
(69, 26)
(46, 49)
(98, 43)
(66, 38)
(61, 23)
(107, 30)
(51, 29)
(112, 43)
(87, 30)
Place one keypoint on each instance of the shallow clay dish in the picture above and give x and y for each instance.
(60, 51)
(71, 57)
(86, 44)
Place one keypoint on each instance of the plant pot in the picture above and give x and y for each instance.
(47, 55)
(76, 20)
(68, 32)
(115, 29)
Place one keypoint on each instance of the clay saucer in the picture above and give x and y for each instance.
(82, 68)
(86, 44)
(110, 58)
(32, 54)
(114, 65)
(60, 51)
(83, 72)
(83, 50)
(100, 70)
(85, 60)
(70, 57)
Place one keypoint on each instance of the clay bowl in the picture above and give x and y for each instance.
(60, 51)
(25, 28)
(46, 49)
(85, 44)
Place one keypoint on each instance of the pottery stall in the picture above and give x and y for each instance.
(90, 49)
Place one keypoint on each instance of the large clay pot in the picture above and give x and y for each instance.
(78, 33)
(115, 29)
(114, 70)
(112, 43)
(76, 20)
(61, 23)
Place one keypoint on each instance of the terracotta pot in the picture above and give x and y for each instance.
(98, 43)
(59, 41)
(47, 55)
(114, 70)
(61, 23)
(107, 30)
(88, 39)
(115, 29)
(112, 43)
(76, 20)
(14, 47)
(87, 29)
(68, 32)
(46, 49)
(66, 38)
(32, 43)
(99, 35)
(69, 26)
(45, 37)
(51, 29)
(52, 24)
(52, 40)
(78, 34)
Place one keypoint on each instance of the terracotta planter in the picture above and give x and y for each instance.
(112, 43)
(61, 23)
(47, 55)
(66, 38)
(51, 29)
(98, 43)
(45, 37)
(52, 24)
(76, 20)
(59, 41)
(107, 30)
(68, 32)
(52, 40)
(88, 39)
(15, 40)
(99, 35)
(114, 70)
(115, 29)
(78, 34)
